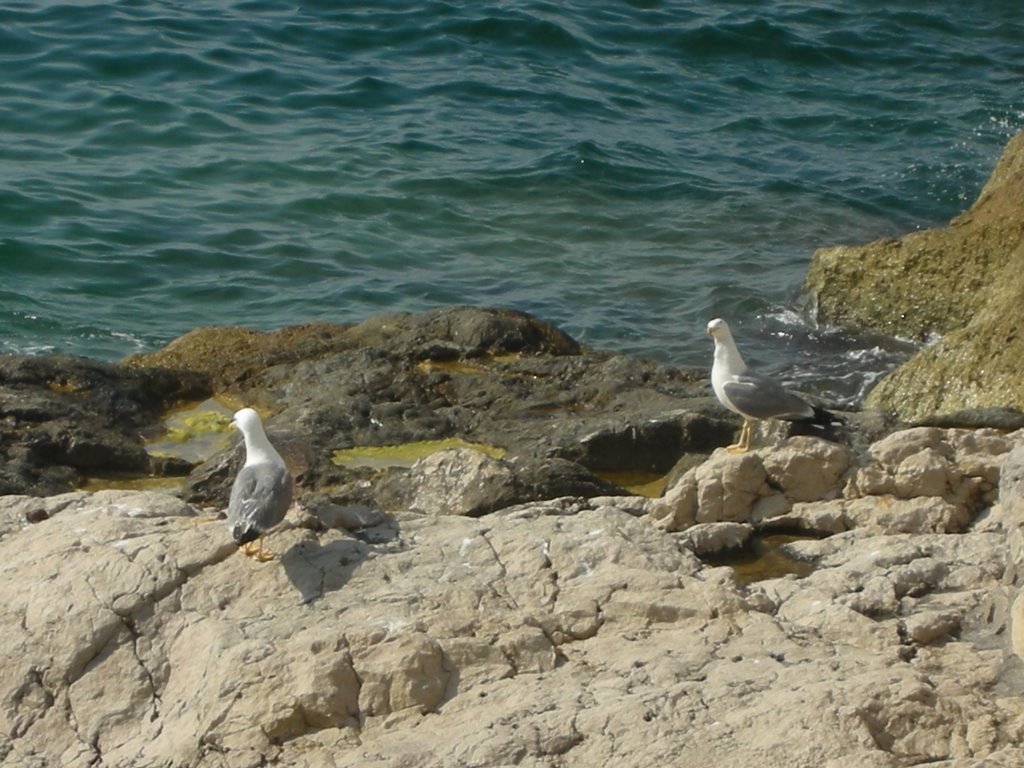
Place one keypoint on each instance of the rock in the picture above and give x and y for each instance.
(754, 486)
(63, 418)
(401, 673)
(960, 466)
(349, 518)
(709, 539)
(926, 628)
(1011, 501)
(550, 621)
(551, 633)
(1011, 483)
(964, 282)
(677, 508)
(902, 288)
(465, 481)
(458, 481)
(493, 377)
(883, 514)
(926, 473)
(1004, 419)
(806, 469)
(728, 485)
(919, 480)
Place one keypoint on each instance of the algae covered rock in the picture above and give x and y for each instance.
(964, 282)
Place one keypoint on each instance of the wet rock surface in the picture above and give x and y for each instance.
(495, 377)
(63, 418)
(964, 282)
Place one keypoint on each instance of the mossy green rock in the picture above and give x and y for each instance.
(964, 282)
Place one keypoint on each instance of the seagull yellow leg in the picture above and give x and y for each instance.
(743, 444)
(255, 550)
(263, 555)
(748, 431)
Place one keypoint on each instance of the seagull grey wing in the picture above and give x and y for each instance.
(759, 397)
(260, 497)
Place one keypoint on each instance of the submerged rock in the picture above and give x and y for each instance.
(964, 283)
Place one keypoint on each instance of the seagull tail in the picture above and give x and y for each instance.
(825, 417)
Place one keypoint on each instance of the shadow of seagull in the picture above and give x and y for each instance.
(316, 569)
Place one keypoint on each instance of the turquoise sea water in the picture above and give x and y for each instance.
(626, 170)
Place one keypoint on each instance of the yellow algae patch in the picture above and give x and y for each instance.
(193, 423)
(93, 484)
(64, 387)
(452, 366)
(638, 483)
(405, 454)
(193, 433)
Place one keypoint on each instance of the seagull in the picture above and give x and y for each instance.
(752, 395)
(263, 488)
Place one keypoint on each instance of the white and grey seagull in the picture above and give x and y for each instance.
(262, 491)
(752, 395)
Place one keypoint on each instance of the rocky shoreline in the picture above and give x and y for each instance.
(514, 605)
(508, 550)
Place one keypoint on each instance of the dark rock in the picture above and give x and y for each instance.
(495, 377)
(559, 412)
(650, 446)
(1007, 419)
(64, 417)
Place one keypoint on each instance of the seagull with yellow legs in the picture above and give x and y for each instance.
(753, 395)
(262, 491)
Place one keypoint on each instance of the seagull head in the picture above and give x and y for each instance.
(247, 421)
(718, 329)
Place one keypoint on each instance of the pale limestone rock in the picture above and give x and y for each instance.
(806, 468)
(926, 627)
(924, 514)
(909, 481)
(677, 509)
(869, 480)
(980, 453)
(458, 481)
(925, 473)
(400, 673)
(1011, 500)
(706, 539)
(891, 450)
(550, 635)
(728, 485)
(885, 514)
(769, 508)
(1011, 484)
(819, 517)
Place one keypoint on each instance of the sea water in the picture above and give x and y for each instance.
(625, 169)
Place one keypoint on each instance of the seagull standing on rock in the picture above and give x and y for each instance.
(263, 488)
(752, 395)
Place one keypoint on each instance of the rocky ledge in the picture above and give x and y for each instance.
(559, 633)
(961, 287)
(506, 600)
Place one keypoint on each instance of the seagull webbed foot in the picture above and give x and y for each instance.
(255, 550)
